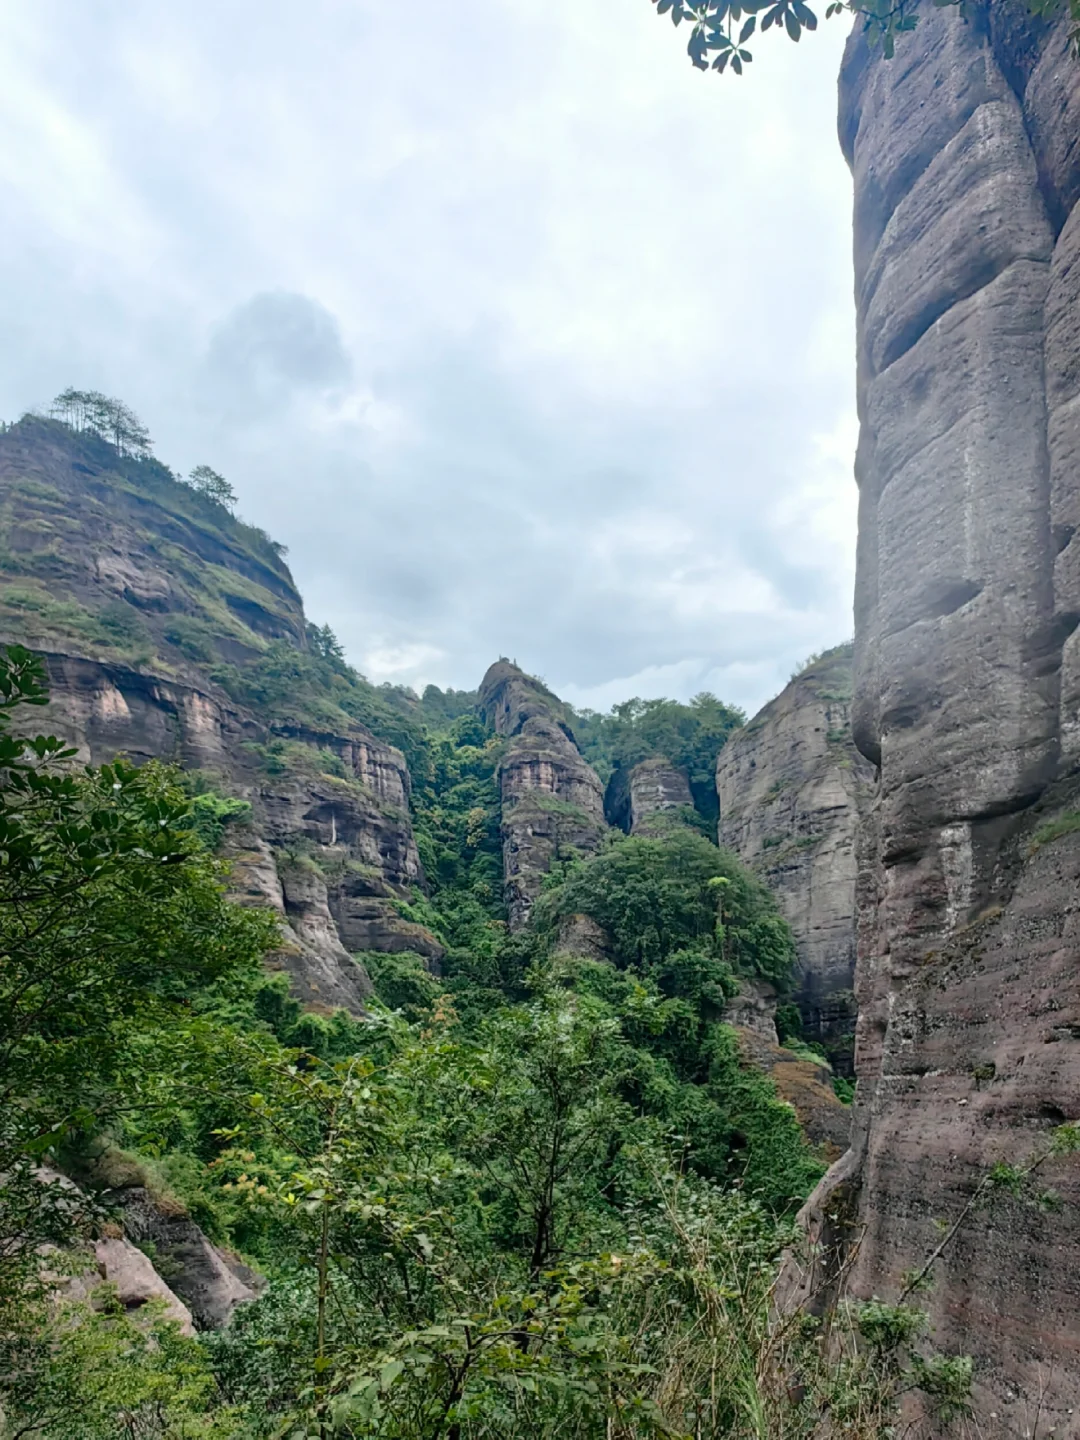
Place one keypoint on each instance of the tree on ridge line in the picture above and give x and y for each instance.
(112, 420)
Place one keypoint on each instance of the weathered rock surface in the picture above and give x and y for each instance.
(754, 1008)
(552, 800)
(804, 1084)
(646, 798)
(136, 589)
(209, 1281)
(583, 937)
(789, 785)
(966, 157)
(124, 1266)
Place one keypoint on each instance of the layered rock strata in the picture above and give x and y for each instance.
(646, 798)
(966, 155)
(789, 785)
(552, 800)
(139, 593)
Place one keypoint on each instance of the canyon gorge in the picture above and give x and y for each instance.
(871, 887)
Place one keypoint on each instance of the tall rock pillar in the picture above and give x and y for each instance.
(552, 800)
(965, 150)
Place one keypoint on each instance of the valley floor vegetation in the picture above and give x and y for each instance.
(536, 1196)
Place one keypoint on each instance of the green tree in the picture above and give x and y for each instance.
(654, 897)
(719, 30)
(214, 486)
(101, 415)
(112, 915)
(688, 735)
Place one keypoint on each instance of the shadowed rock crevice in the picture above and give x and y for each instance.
(648, 797)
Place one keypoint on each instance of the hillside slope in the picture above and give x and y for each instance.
(173, 631)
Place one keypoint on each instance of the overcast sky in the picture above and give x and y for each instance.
(524, 336)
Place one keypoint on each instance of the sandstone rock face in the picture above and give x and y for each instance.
(966, 157)
(583, 937)
(124, 1266)
(552, 801)
(645, 799)
(136, 591)
(137, 1282)
(754, 1009)
(209, 1281)
(805, 1085)
(790, 784)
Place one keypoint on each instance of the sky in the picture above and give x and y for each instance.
(524, 336)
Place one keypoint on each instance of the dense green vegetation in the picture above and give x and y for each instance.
(532, 1194)
(543, 1199)
(689, 735)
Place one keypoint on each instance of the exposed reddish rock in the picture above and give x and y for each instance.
(966, 157)
(790, 785)
(803, 1083)
(116, 577)
(645, 799)
(552, 800)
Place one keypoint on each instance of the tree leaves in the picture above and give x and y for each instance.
(714, 23)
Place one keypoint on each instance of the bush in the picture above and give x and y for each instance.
(656, 896)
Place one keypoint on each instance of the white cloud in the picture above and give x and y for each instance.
(590, 401)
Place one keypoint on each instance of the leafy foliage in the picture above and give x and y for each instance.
(656, 896)
(690, 736)
(515, 1222)
(214, 486)
(105, 417)
(721, 29)
(111, 912)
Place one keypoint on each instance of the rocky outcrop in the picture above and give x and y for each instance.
(151, 1237)
(754, 1008)
(646, 798)
(145, 599)
(210, 1281)
(966, 157)
(552, 800)
(583, 938)
(790, 784)
(804, 1083)
(136, 1283)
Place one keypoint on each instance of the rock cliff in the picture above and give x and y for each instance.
(552, 801)
(789, 786)
(966, 157)
(646, 798)
(173, 631)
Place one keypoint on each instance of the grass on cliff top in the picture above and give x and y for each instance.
(830, 672)
(113, 632)
(147, 478)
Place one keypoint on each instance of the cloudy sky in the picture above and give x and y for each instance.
(525, 337)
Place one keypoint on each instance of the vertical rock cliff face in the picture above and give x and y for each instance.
(965, 151)
(145, 599)
(790, 786)
(552, 801)
(645, 799)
